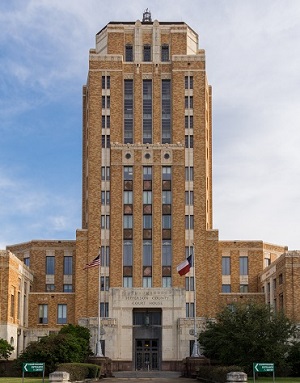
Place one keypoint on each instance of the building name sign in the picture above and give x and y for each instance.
(147, 298)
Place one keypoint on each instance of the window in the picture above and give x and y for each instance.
(147, 282)
(243, 288)
(50, 265)
(50, 287)
(27, 261)
(165, 52)
(128, 173)
(189, 174)
(43, 314)
(280, 279)
(189, 198)
(167, 221)
(147, 111)
(267, 262)
(188, 122)
(12, 305)
(105, 122)
(188, 82)
(189, 222)
(166, 197)
(105, 254)
(166, 111)
(127, 221)
(61, 314)
(243, 265)
(188, 102)
(147, 222)
(166, 282)
(147, 53)
(189, 310)
(166, 253)
(226, 288)
(68, 265)
(67, 288)
(147, 173)
(105, 221)
(147, 253)
(104, 310)
(147, 197)
(105, 173)
(189, 141)
(105, 197)
(127, 281)
(104, 283)
(166, 173)
(128, 197)
(189, 284)
(128, 52)
(225, 265)
(105, 82)
(127, 253)
(128, 111)
(105, 141)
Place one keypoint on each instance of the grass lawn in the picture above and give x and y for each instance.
(26, 380)
(270, 380)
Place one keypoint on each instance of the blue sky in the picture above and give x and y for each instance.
(253, 60)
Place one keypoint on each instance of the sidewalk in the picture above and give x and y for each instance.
(141, 376)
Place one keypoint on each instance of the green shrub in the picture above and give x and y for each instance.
(80, 371)
(216, 373)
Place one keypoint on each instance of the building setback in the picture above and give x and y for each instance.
(146, 206)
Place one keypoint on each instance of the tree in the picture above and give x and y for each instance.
(71, 344)
(248, 333)
(5, 349)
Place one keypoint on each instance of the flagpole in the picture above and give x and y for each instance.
(98, 344)
(196, 347)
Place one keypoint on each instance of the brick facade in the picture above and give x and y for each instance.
(188, 151)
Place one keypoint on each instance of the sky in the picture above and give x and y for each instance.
(253, 64)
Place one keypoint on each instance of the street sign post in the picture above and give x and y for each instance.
(33, 367)
(263, 367)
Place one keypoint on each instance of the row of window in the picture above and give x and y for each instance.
(61, 314)
(226, 288)
(226, 265)
(128, 173)
(147, 53)
(67, 265)
(147, 104)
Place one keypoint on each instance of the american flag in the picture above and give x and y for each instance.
(95, 262)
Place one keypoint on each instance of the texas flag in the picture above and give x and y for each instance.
(184, 267)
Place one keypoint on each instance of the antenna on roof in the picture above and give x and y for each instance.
(147, 16)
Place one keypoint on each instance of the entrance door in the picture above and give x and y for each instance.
(146, 354)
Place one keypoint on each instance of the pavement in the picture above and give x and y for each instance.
(144, 376)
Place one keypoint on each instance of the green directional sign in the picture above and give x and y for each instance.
(33, 367)
(263, 367)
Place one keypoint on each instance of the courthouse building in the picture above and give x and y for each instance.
(146, 206)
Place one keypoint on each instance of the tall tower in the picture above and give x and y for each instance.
(147, 190)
